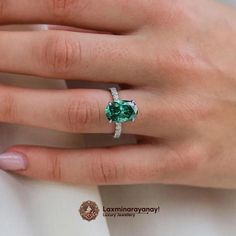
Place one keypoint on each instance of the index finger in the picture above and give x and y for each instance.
(111, 15)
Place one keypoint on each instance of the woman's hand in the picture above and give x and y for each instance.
(177, 59)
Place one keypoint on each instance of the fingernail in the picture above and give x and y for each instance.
(12, 161)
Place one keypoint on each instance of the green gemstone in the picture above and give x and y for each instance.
(121, 111)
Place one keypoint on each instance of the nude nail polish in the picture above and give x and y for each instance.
(12, 161)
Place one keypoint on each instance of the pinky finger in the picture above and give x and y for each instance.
(116, 165)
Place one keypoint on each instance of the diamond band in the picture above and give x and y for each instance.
(118, 130)
(120, 111)
(114, 94)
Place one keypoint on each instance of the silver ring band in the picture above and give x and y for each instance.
(115, 94)
(118, 126)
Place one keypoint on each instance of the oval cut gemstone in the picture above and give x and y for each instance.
(121, 111)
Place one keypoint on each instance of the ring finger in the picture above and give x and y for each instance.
(77, 111)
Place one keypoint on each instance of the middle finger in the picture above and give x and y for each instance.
(72, 55)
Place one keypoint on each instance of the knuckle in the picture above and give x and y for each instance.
(188, 159)
(174, 61)
(104, 170)
(179, 162)
(194, 110)
(169, 12)
(204, 110)
(56, 168)
(176, 11)
(181, 59)
(185, 161)
(80, 114)
(61, 8)
(60, 53)
(7, 107)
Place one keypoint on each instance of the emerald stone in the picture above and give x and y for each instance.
(121, 111)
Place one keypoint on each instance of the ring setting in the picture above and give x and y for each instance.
(120, 111)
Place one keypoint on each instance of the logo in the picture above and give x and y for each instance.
(129, 211)
(89, 210)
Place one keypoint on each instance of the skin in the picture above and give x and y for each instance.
(175, 58)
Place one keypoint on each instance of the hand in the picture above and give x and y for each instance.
(177, 60)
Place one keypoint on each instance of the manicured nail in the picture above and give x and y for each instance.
(12, 161)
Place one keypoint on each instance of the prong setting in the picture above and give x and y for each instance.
(120, 111)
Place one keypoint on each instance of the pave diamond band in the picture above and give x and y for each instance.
(114, 94)
(118, 128)
(120, 111)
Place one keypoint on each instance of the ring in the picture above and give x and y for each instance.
(120, 111)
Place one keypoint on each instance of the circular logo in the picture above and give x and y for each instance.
(89, 210)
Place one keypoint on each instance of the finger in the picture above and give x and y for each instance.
(116, 165)
(103, 14)
(70, 55)
(83, 111)
(76, 111)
